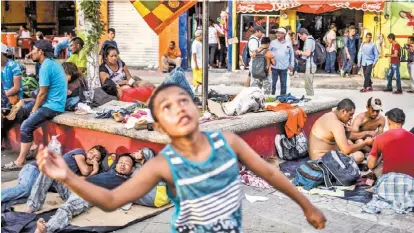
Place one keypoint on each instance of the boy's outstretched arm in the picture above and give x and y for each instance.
(274, 177)
(55, 167)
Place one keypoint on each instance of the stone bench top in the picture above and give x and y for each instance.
(244, 123)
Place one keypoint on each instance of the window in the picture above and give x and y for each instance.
(248, 21)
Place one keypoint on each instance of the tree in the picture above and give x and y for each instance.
(90, 23)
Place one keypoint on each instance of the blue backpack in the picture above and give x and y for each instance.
(309, 175)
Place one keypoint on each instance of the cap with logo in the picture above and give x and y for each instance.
(375, 104)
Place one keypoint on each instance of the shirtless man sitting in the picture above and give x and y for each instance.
(329, 133)
(368, 124)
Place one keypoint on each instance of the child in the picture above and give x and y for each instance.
(200, 169)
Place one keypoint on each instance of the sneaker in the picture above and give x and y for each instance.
(387, 90)
(397, 92)
(342, 73)
(363, 90)
(278, 141)
(370, 89)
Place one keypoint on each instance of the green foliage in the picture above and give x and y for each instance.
(92, 14)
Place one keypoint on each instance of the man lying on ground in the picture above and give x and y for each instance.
(196, 166)
(368, 124)
(125, 166)
(81, 162)
(329, 133)
(393, 151)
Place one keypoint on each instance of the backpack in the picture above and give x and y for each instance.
(403, 55)
(338, 169)
(246, 52)
(309, 175)
(30, 84)
(340, 43)
(319, 54)
(260, 70)
(291, 148)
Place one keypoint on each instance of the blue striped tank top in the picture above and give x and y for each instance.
(208, 194)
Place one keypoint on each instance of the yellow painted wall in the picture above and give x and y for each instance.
(15, 14)
(45, 12)
(395, 24)
(290, 20)
(168, 34)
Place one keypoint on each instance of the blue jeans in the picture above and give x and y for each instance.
(71, 103)
(25, 182)
(283, 80)
(348, 64)
(61, 46)
(330, 62)
(394, 68)
(177, 76)
(28, 126)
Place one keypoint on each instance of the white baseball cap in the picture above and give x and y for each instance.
(282, 30)
(4, 48)
(198, 33)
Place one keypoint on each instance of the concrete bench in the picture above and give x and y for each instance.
(85, 131)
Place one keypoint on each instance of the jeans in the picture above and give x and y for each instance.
(25, 182)
(330, 62)
(367, 75)
(212, 48)
(5, 102)
(265, 84)
(394, 68)
(71, 103)
(177, 76)
(348, 64)
(28, 126)
(283, 80)
(39, 191)
(411, 73)
(60, 46)
(21, 115)
(309, 74)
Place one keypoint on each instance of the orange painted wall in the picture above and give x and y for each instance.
(104, 17)
(170, 33)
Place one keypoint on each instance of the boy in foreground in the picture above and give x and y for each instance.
(200, 169)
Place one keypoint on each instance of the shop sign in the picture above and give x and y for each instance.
(246, 7)
(365, 6)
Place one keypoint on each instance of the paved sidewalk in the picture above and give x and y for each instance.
(238, 78)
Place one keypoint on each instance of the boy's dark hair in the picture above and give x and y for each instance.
(24, 26)
(157, 91)
(265, 40)
(352, 27)
(411, 39)
(172, 42)
(412, 130)
(346, 104)
(111, 30)
(288, 28)
(369, 34)
(391, 36)
(396, 115)
(102, 150)
(126, 155)
(78, 40)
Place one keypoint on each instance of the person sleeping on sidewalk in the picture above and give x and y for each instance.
(126, 166)
(79, 161)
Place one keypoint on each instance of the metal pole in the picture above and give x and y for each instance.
(205, 53)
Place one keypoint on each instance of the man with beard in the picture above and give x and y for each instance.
(49, 103)
(329, 133)
(368, 124)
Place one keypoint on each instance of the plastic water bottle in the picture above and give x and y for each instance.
(54, 145)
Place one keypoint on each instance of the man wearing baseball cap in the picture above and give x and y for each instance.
(49, 103)
(197, 59)
(11, 76)
(368, 124)
(306, 53)
(394, 149)
(285, 59)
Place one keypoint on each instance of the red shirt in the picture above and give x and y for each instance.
(395, 60)
(397, 148)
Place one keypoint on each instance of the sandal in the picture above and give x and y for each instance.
(12, 166)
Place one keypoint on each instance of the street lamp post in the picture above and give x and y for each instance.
(205, 53)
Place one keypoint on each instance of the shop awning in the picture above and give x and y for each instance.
(308, 6)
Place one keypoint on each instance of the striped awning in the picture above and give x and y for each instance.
(308, 6)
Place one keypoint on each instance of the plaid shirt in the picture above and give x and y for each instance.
(393, 190)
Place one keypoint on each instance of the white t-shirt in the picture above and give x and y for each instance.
(212, 35)
(197, 48)
(331, 36)
(253, 43)
(25, 34)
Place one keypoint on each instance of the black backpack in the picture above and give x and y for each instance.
(319, 54)
(260, 70)
(338, 169)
